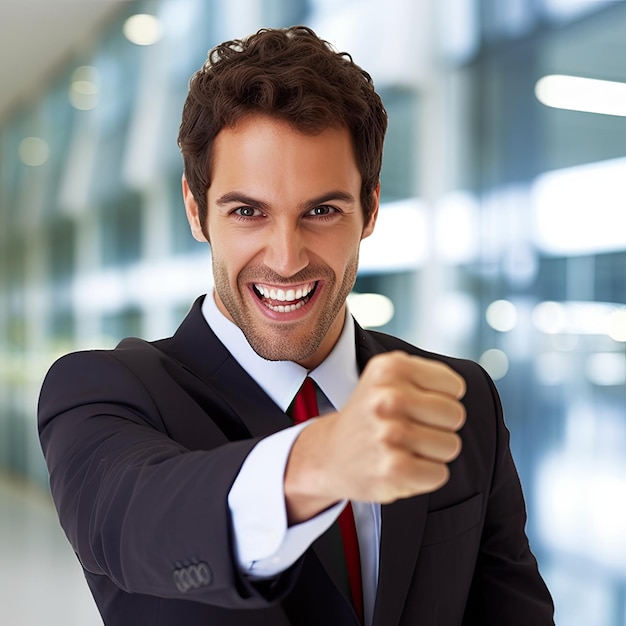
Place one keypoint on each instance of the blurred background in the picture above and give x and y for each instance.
(502, 237)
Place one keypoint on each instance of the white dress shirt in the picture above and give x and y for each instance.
(264, 543)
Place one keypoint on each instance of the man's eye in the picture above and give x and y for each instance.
(246, 211)
(322, 210)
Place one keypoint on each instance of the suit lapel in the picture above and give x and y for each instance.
(200, 352)
(329, 550)
(402, 524)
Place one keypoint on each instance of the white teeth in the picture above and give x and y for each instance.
(285, 296)
(297, 297)
(282, 308)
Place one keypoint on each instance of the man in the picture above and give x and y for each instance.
(186, 490)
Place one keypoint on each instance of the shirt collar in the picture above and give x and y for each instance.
(336, 376)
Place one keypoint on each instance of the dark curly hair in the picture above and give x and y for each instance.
(290, 74)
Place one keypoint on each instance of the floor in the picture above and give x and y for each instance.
(41, 582)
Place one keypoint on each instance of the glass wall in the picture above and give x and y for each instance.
(550, 281)
(502, 235)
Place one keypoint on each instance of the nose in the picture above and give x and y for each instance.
(286, 251)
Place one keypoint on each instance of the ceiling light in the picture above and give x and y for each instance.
(576, 93)
(143, 29)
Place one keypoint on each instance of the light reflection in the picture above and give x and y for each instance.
(456, 227)
(582, 506)
(589, 199)
(606, 368)
(496, 362)
(143, 29)
(617, 325)
(581, 318)
(573, 8)
(84, 92)
(399, 241)
(371, 309)
(553, 368)
(577, 93)
(549, 317)
(34, 151)
(564, 342)
(581, 487)
(457, 316)
(501, 315)
(140, 285)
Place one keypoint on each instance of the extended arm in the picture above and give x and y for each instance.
(135, 505)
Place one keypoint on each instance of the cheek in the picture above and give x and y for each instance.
(344, 269)
(231, 255)
(344, 256)
(223, 264)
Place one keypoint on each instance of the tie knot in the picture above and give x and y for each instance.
(305, 403)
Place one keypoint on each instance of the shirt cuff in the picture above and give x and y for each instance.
(265, 546)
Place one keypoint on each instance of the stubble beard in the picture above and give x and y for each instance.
(278, 341)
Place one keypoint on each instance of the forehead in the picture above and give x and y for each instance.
(263, 151)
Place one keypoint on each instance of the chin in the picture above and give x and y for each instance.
(282, 348)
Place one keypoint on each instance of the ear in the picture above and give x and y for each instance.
(368, 228)
(191, 209)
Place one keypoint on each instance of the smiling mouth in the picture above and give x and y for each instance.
(284, 300)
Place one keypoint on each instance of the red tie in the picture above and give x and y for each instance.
(305, 406)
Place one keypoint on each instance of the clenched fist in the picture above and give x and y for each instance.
(392, 440)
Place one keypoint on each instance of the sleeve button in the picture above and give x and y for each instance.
(192, 577)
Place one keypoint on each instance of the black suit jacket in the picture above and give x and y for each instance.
(144, 442)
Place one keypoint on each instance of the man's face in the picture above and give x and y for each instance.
(285, 223)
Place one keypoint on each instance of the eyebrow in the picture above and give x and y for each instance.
(238, 197)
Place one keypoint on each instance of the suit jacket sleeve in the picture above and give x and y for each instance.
(137, 506)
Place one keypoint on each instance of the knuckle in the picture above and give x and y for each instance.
(391, 401)
(376, 398)
(377, 364)
(382, 365)
(388, 465)
(388, 432)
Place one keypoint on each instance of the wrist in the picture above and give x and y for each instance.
(304, 480)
